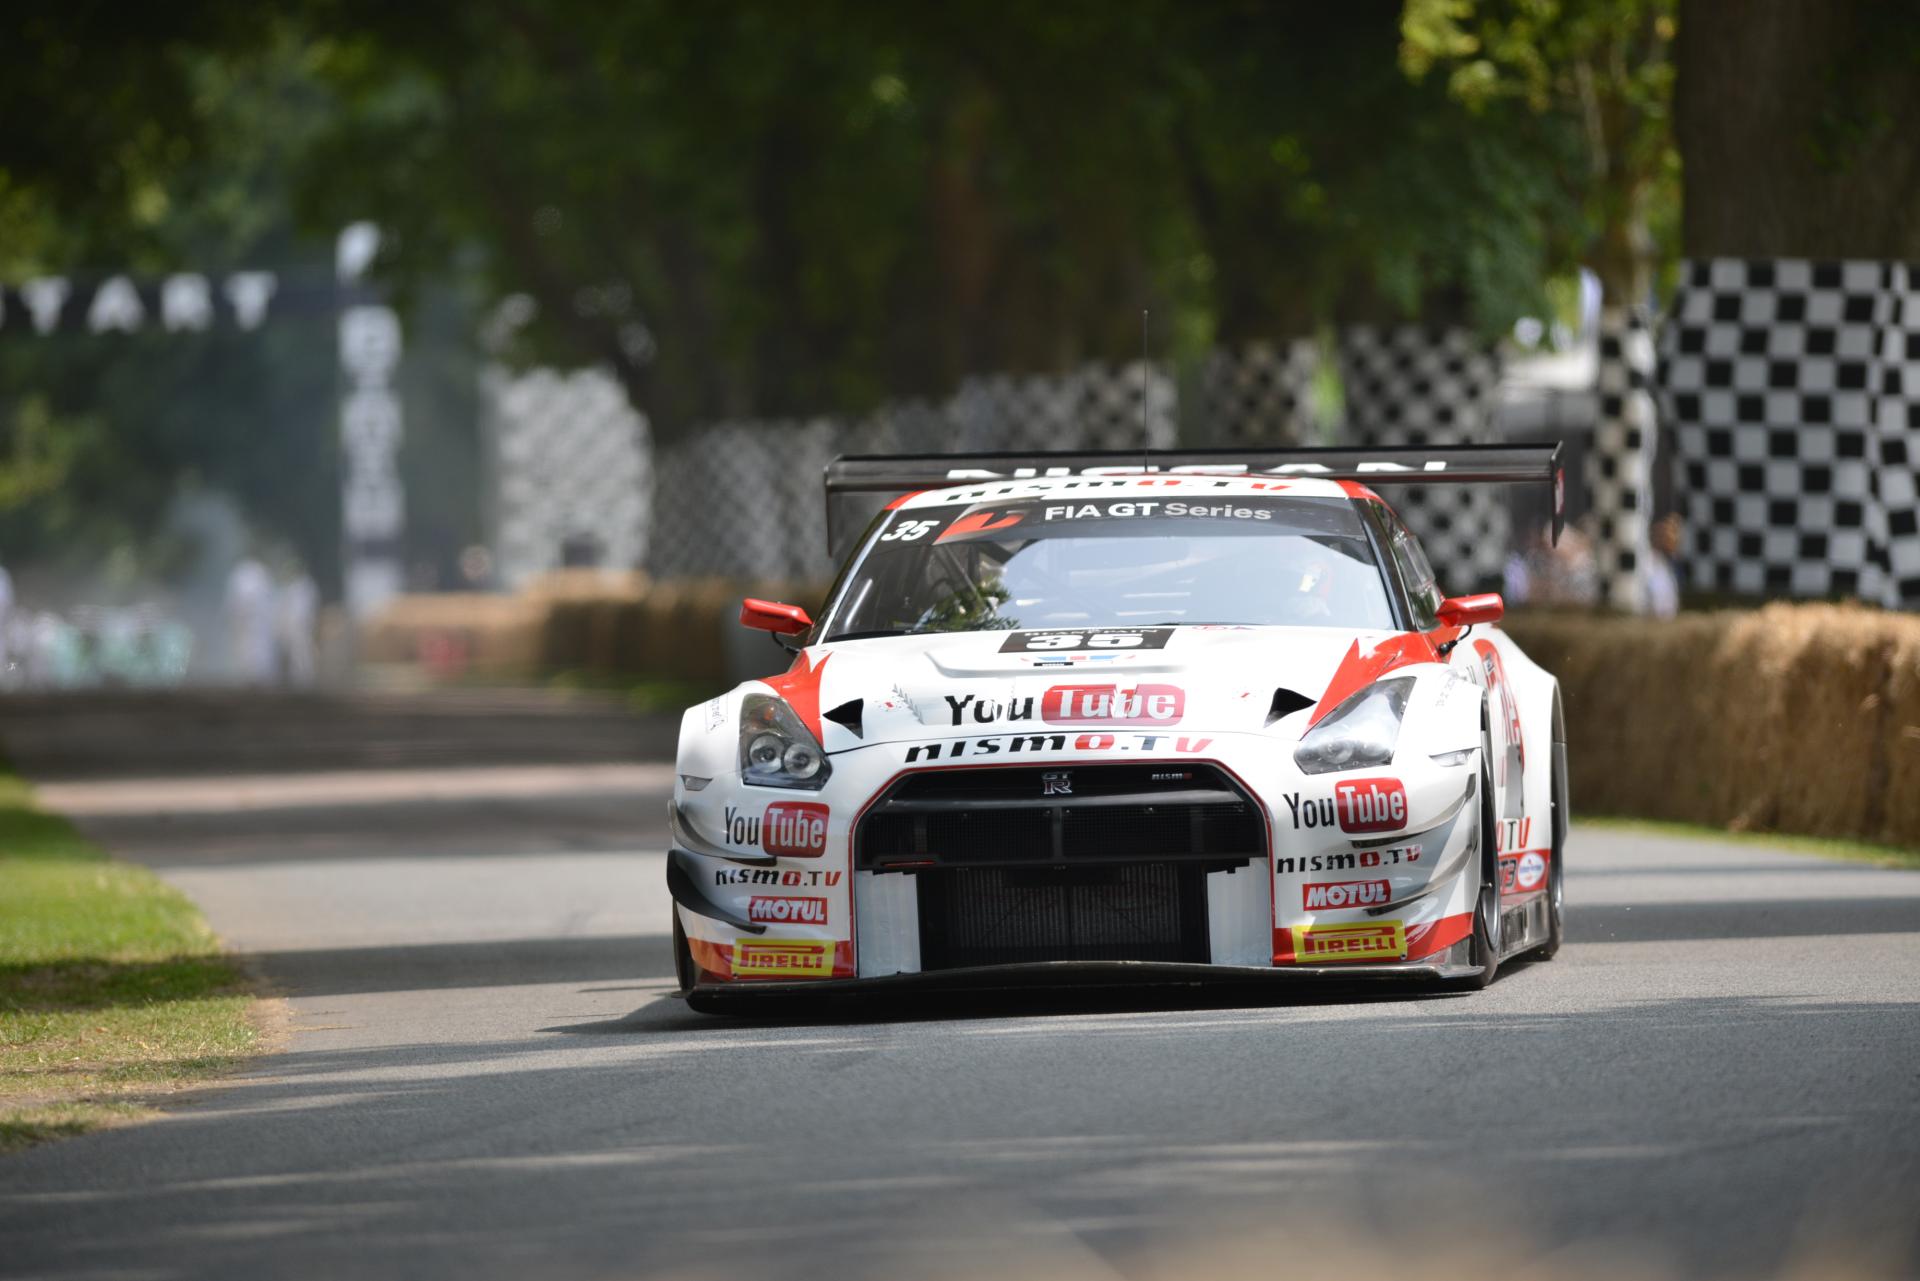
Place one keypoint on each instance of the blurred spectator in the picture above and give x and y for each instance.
(1663, 582)
(250, 623)
(54, 659)
(581, 551)
(298, 604)
(6, 626)
(1517, 579)
(476, 567)
(1550, 573)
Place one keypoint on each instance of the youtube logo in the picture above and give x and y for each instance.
(1371, 805)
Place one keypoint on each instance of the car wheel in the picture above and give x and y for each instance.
(1485, 951)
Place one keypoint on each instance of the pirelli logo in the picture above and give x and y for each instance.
(783, 958)
(1373, 941)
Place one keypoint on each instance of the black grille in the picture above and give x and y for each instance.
(1016, 915)
(1113, 814)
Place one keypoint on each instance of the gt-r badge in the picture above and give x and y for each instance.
(1056, 783)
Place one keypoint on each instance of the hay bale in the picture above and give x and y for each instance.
(1831, 672)
(458, 632)
(589, 584)
(1899, 771)
(1796, 718)
(565, 635)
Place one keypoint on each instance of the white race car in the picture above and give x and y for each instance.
(1133, 717)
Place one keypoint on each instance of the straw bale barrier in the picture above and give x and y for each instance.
(1791, 718)
(606, 626)
(456, 632)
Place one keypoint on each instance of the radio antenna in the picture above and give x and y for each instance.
(1145, 438)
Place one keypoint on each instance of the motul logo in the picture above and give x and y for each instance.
(1371, 805)
(795, 828)
(1338, 894)
(1111, 705)
(787, 911)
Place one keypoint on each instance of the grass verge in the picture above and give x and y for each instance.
(1825, 847)
(113, 991)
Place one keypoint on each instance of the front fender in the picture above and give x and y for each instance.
(710, 736)
(1446, 715)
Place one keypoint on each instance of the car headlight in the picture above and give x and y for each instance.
(1361, 733)
(775, 748)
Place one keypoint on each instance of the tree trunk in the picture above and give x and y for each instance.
(1796, 121)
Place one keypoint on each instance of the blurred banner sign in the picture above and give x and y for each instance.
(372, 502)
(186, 302)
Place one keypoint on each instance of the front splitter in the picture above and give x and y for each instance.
(1039, 975)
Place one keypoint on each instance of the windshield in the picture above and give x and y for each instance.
(1113, 562)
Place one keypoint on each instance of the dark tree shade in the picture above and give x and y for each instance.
(1799, 128)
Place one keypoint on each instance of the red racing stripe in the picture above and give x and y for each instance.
(1425, 940)
(800, 687)
(1361, 668)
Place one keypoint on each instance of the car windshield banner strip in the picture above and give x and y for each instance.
(893, 475)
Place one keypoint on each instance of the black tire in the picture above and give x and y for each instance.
(1485, 951)
(1557, 864)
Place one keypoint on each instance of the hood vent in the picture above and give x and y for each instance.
(1286, 703)
(848, 714)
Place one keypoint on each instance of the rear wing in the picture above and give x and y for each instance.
(859, 487)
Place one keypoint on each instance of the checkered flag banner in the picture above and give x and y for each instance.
(1410, 385)
(1619, 469)
(744, 500)
(573, 466)
(1793, 390)
(1260, 395)
(732, 502)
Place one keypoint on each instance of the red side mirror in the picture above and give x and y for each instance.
(781, 620)
(1464, 611)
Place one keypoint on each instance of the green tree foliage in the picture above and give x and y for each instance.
(99, 432)
(761, 208)
(750, 208)
(1798, 121)
(1605, 67)
(102, 116)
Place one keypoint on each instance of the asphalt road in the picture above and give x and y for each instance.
(485, 1075)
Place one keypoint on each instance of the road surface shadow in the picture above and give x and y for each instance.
(91, 735)
(671, 1014)
(545, 1155)
(1742, 919)
(430, 967)
(610, 821)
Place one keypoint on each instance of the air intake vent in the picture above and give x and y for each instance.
(1011, 916)
(1286, 703)
(1063, 814)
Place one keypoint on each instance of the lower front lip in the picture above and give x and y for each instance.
(1044, 975)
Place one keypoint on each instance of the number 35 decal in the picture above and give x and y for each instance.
(908, 530)
(1110, 638)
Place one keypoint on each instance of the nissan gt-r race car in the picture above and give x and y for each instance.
(1141, 717)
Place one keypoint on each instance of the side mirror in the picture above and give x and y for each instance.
(1465, 611)
(771, 616)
